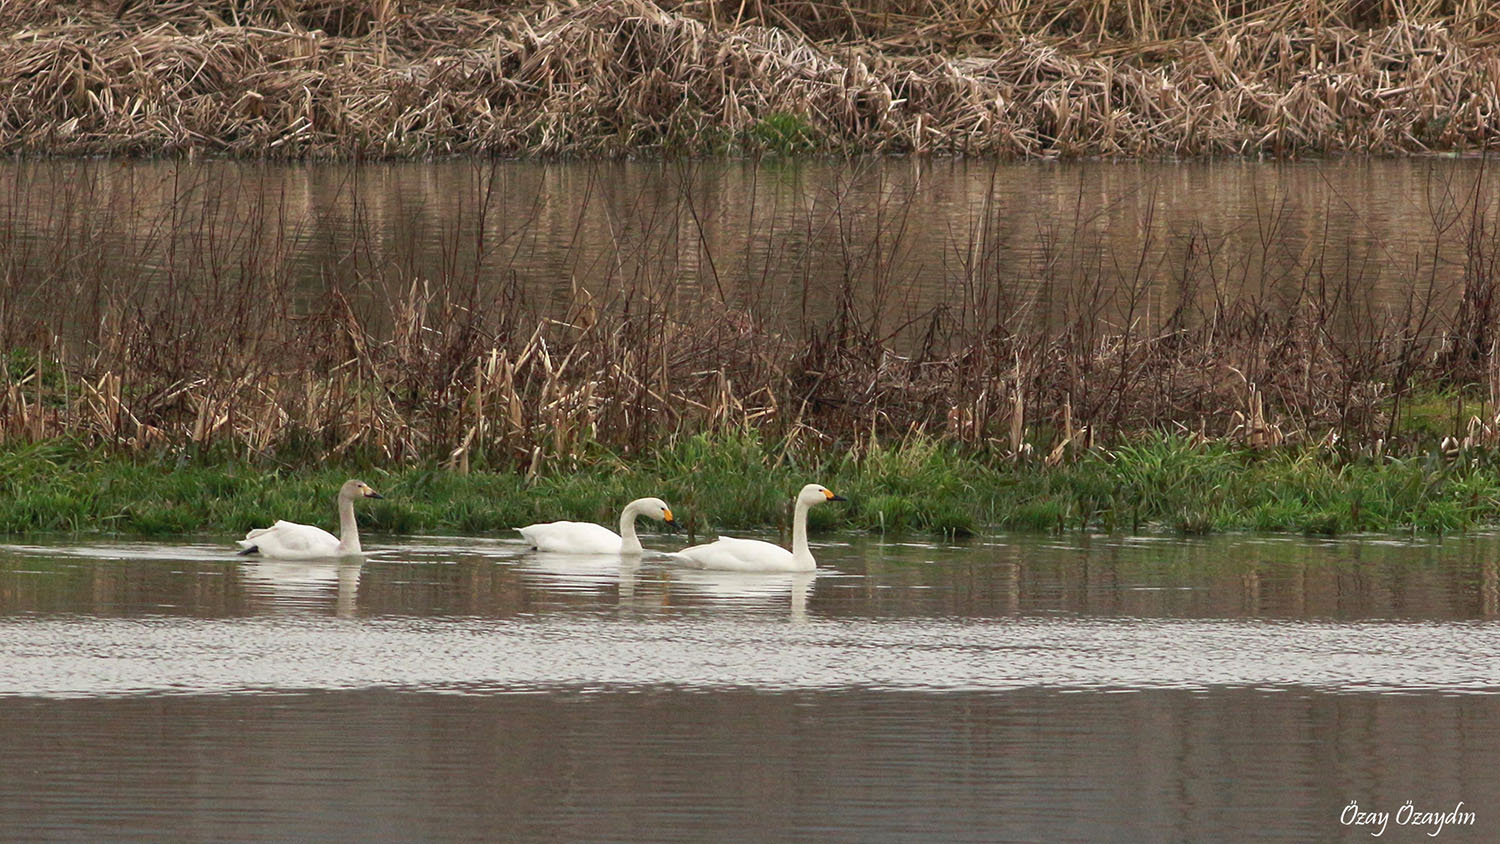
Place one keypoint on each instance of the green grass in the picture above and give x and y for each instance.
(920, 486)
(782, 134)
(1430, 415)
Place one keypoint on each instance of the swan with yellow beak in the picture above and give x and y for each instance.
(589, 538)
(730, 554)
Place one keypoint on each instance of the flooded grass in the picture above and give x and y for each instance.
(1043, 78)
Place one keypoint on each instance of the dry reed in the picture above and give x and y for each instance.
(377, 78)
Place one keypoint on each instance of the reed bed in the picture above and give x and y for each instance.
(211, 339)
(208, 378)
(1044, 78)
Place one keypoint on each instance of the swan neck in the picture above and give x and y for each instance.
(348, 528)
(800, 551)
(629, 542)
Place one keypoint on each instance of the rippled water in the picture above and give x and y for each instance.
(1017, 689)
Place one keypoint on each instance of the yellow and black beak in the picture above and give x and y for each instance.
(832, 497)
(666, 517)
(370, 493)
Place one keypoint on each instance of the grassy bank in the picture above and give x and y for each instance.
(1039, 78)
(1176, 484)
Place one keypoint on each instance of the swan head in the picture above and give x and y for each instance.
(357, 489)
(657, 509)
(817, 494)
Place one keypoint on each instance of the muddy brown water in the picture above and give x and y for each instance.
(1009, 689)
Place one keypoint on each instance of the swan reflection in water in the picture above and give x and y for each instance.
(579, 573)
(653, 582)
(304, 586)
(749, 590)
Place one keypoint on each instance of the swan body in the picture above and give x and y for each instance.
(730, 554)
(291, 541)
(589, 538)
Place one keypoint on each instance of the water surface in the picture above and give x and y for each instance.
(969, 241)
(1010, 689)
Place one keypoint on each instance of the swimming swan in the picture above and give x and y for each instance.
(729, 554)
(291, 541)
(588, 538)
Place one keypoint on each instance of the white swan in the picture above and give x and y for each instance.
(291, 541)
(729, 554)
(589, 538)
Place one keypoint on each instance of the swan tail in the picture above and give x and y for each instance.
(248, 545)
(530, 536)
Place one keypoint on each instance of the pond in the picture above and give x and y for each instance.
(1016, 688)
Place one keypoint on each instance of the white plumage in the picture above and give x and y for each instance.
(291, 541)
(730, 554)
(589, 538)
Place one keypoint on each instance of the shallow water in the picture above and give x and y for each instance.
(1014, 689)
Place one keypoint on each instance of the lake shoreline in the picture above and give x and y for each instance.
(629, 78)
(1159, 483)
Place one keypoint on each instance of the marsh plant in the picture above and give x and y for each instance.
(731, 482)
(218, 322)
(1039, 78)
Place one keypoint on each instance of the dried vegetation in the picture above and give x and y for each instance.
(402, 78)
(213, 337)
